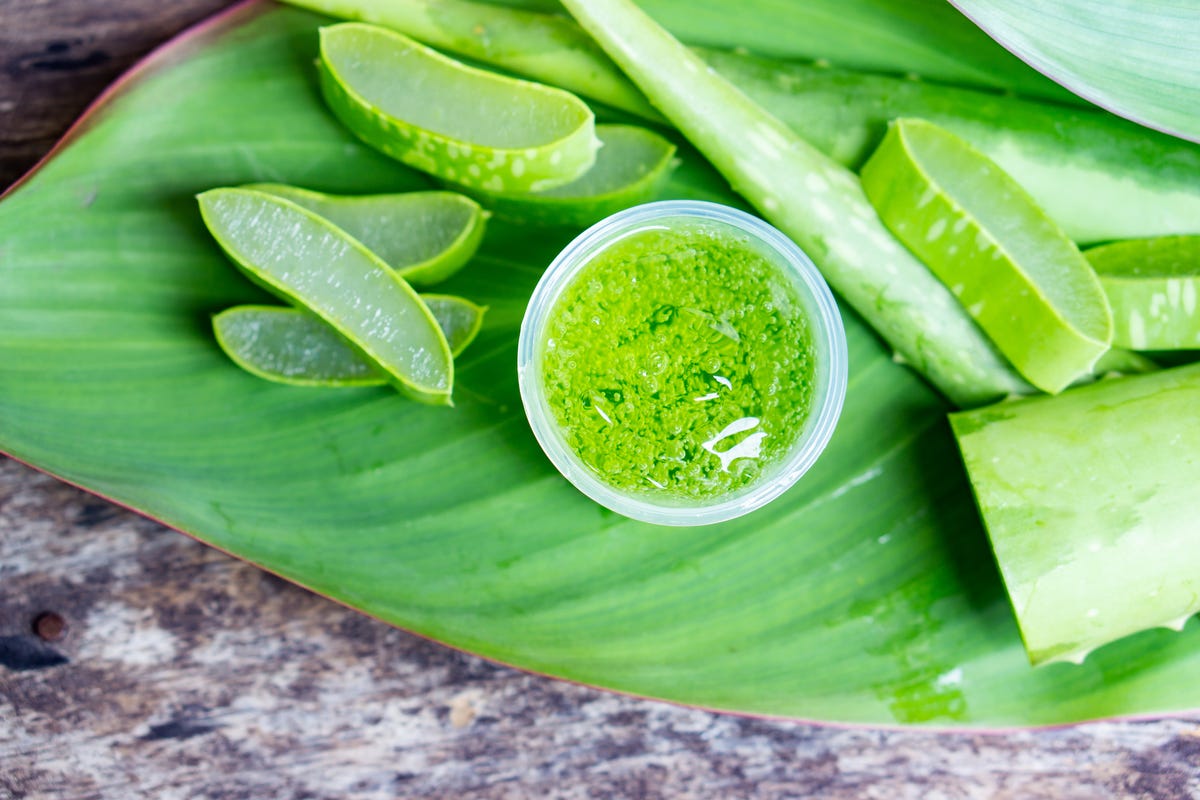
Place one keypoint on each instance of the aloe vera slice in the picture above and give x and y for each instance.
(1011, 266)
(630, 167)
(312, 263)
(545, 47)
(811, 198)
(1090, 501)
(288, 345)
(459, 123)
(425, 236)
(1152, 286)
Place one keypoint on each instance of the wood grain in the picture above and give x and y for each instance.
(175, 671)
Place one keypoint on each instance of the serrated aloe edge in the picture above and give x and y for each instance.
(811, 198)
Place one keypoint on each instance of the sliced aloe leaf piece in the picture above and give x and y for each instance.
(313, 264)
(289, 345)
(1090, 502)
(1152, 286)
(1011, 266)
(630, 168)
(459, 123)
(425, 236)
(545, 47)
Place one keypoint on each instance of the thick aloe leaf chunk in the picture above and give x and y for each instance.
(425, 236)
(313, 264)
(289, 345)
(1090, 500)
(630, 168)
(1152, 286)
(1011, 266)
(459, 123)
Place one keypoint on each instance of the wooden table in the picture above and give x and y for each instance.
(135, 662)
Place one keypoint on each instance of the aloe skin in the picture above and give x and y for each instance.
(310, 262)
(1011, 266)
(814, 200)
(1152, 286)
(289, 345)
(630, 168)
(1089, 499)
(453, 121)
(425, 236)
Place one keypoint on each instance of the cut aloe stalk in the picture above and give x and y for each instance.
(811, 198)
(545, 47)
(462, 124)
(1152, 286)
(1011, 266)
(288, 345)
(1091, 503)
(425, 236)
(313, 264)
(629, 169)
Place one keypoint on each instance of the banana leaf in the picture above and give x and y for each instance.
(866, 594)
(1137, 58)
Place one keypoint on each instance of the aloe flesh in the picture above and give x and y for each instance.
(1011, 266)
(544, 47)
(812, 199)
(1090, 501)
(453, 121)
(425, 236)
(313, 264)
(1152, 286)
(630, 169)
(288, 345)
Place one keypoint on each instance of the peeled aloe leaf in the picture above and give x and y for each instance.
(547, 48)
(1137, 58)
(1011, 266)
(1090, 500)
(314, 264)
(459, 123)
(1098, 176)
(425, 236)
(289, 345)
(1152, 286)
(867, 593)
(630, 168)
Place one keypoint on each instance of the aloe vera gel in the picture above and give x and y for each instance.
(682, 363)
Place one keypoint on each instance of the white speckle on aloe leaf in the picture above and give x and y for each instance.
(816, 183)
(770, 204)
(1137, 330)
(555, 158)
(1173, 291)
(926, 198)
(1189, 297)
(494, 184)
(474, 170)
(975, 309)
(951, 678)
(957, 288)
(498, 159)
(531, 153)
(936, 230)
(960, 225)
(952, 249)
(824, 212)
(1157, 301)
(518, 167)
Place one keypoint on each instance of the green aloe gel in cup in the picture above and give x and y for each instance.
(682, 363)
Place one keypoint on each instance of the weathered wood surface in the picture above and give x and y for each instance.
(183, 673)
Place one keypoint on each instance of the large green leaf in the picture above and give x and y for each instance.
(1137, 58)
(867, 593)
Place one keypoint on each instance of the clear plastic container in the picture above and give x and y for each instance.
(828, 346)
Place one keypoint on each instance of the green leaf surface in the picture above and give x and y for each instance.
(1137, 58)
(1152, 286)
(865, 594)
